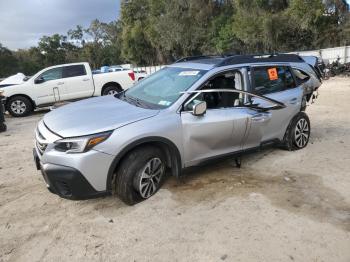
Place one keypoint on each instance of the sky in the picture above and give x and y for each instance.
(23, 22)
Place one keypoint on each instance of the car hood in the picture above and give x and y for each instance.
(93, 116)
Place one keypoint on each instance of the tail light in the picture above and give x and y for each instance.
(132, 76)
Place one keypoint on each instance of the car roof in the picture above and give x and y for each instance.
(209, 62)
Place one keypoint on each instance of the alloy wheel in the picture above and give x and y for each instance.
(18, 107)
(302, 133)
(151, 177)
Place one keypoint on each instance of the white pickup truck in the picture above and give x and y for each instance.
(59, 83)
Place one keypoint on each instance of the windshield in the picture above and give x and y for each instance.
(164, 87)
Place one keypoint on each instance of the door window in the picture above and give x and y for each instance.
(272, 79)
(51, 74)
(74, 70)
(215, 100)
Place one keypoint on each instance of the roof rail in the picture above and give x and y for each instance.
(191, 58)
(229, 59)
(244, 59)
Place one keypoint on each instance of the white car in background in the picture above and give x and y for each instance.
(60, 83)
(16, 79)
(139, 73)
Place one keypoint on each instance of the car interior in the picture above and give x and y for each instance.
(228, 80)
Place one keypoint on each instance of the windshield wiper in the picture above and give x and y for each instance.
(134, 101)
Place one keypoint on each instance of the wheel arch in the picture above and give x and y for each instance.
(286, 141)
(111, 83)
(26, 96)
(170, 150)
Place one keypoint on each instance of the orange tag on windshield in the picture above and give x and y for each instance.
(272, 74)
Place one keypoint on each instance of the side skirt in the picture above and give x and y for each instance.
(221, 158)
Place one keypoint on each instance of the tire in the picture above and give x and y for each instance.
(3, 127)
(298, 132)
(111, 90)
(132, 183)
(19, 106)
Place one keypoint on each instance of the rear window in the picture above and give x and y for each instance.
(74, 70)
(300, 76)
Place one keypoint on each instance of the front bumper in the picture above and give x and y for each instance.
(67, 182)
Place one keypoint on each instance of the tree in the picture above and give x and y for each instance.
(161, 31)
(8, 62)
(52, 49)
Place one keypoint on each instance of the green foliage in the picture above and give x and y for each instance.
(8, 62)
(160, 31)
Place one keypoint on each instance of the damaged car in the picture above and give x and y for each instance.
(195, 110)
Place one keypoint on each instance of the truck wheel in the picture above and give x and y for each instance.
(298, 132)
(140, 174)
(111, 90)
(3, 127)
(19, 106)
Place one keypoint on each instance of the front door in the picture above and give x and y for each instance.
(218, 132)
(222, 129)
(49, 86)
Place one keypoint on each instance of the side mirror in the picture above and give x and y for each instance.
(39, 80)
(199, 109)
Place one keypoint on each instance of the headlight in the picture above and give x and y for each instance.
(81, 144)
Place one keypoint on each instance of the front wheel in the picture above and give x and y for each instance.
(140, 174)
(19, 106)
(298, 133)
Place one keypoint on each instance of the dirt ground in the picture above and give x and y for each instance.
(280, 206)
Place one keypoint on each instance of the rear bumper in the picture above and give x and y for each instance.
(67, 182)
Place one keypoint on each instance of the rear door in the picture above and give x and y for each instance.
(77, 82)
(276, 82)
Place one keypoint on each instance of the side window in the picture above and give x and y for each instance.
(51, 74)
(215, 100)
(300, 76)
(269, 80)
(74, 70)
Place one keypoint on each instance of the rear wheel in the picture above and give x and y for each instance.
(140, 174)
(111, 90)
(19, 106)
(298, 133)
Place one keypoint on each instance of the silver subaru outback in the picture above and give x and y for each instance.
(192, 111)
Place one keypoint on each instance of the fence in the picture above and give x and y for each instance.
(330, 54)
(148, 69)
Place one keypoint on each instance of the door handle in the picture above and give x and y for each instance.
(60, 83)
(261, 117)
(86, 79)
(293, 101)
